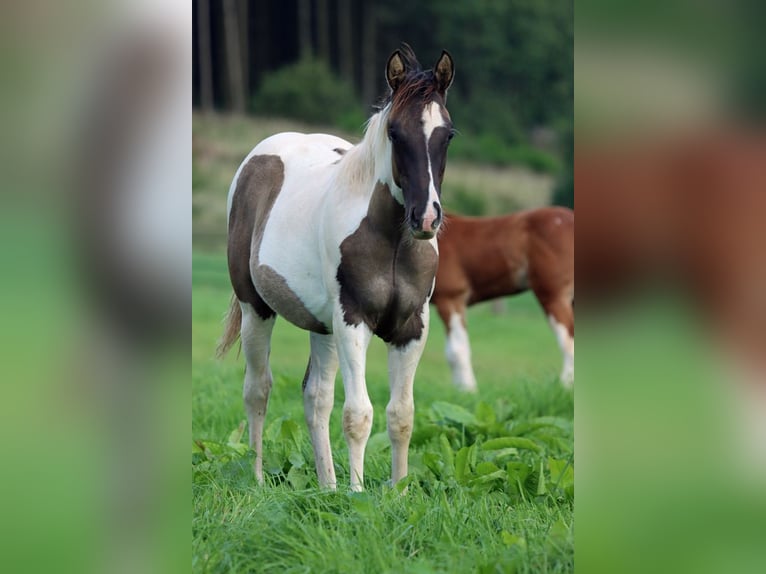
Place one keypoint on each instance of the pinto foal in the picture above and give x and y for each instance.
(482, 258)
(341, 241)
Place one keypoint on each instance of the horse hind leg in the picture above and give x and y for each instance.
(560, 313)
(318, 398)
(458, 348)
(256, 344)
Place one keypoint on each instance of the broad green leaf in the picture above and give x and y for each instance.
(273, 431)
(497, 476)
(362, 503)
(429, 431)
(562, 472)
(297, 478)
(473, 454)
(272, 462)
(290, 431)
(296, 459)
(378, 443)
(434, 463)
(236, 435)
(511, 442)
(486, 468)
(454, 413)
(485, 414)
(517, 470)
(461, 464)
(559, 533)
(503, 453)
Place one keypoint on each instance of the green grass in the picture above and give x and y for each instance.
(491, 476)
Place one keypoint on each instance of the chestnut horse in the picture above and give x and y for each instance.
(341, 241)
(482, 258)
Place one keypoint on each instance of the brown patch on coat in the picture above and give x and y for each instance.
(385, 275)
(258, 186)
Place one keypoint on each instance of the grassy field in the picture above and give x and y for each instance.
(491, 476)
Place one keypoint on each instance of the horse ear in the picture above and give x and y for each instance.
(444, 72)
(395, 70)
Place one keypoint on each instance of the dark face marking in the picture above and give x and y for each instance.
(411, 155)
(413, 92)
(385, 276)
(258, 186)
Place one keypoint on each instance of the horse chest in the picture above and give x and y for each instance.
(385, 281)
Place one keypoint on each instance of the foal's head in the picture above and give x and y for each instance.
(420, 129)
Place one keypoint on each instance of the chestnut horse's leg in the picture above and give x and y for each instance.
(352, 343)
(255, 333)
(560, 315)
(458, 347)
(402, 363)
(318, 397)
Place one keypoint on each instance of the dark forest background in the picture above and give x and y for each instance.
(322, 61)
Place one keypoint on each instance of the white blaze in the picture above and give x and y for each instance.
(432, 119)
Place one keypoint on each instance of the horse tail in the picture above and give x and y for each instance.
(232, 324)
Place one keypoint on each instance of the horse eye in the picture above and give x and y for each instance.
(451, 134)
(392, 134)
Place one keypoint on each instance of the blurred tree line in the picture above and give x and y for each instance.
(322, 61)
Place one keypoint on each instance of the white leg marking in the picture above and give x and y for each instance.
(318, 398)
(458, 353)
(566, 344)
(402, 363)
(256, 341)
(352, 345)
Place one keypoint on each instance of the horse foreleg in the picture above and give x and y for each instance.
(352, 342)
(256, 340)
(458, 349)
(402, 363)
(318, 397)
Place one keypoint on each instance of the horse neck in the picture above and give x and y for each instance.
(369, 162)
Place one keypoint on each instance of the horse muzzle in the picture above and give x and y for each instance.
(425, 227)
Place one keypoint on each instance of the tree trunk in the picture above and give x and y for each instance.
(323, 30)
(370, 72)
(262, 45)
(205, 56)
(233, 57)
(244, 37)
(304, 28)
(345, 41)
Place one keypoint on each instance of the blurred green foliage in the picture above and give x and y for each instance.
(514, 63)
(307, 90)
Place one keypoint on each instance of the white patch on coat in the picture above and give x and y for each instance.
(305, 203)
(566, 344)
(458, 351)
